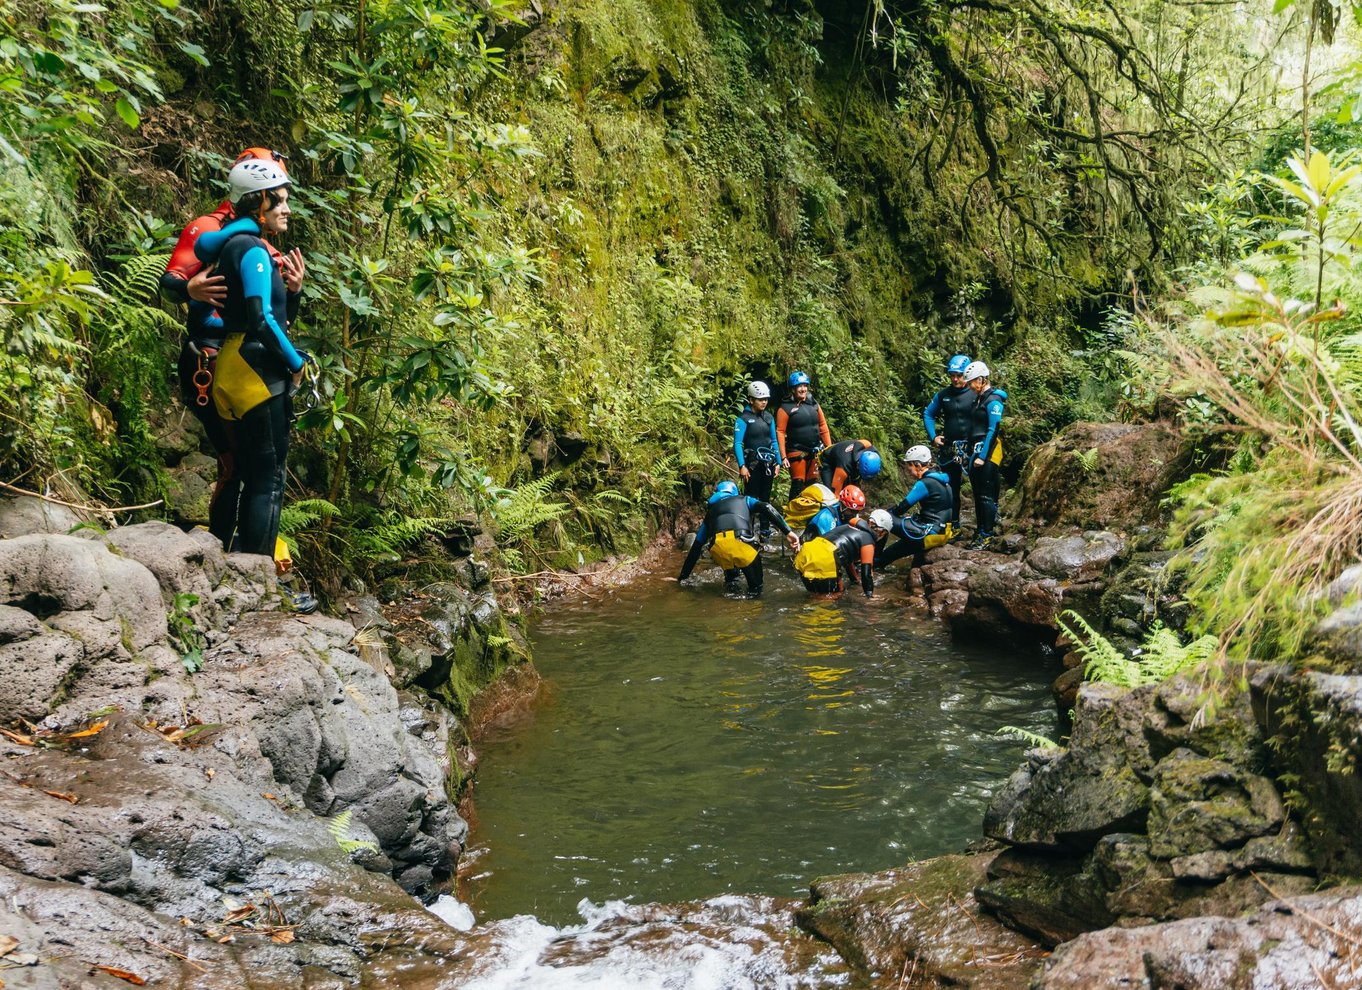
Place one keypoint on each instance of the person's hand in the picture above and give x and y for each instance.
(207, 287)
(978, 462)
(939, 440)
(293, 268)
(792, 538)
(775, 471)
(785, 462)
(744, 473)
(297, 377)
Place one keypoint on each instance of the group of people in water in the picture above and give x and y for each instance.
(238, 367)
(840, 540)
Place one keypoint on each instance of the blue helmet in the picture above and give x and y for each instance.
(869, 463)
(724, 489)
(798, 378)
(957, 364)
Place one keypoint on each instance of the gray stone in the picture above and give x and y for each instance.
(1075, 558)
(1088, 790)
(24, 515)
(1338, 637)
(1197, 804)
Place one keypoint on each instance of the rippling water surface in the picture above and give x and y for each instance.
(689, 745)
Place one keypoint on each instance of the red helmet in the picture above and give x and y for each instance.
(852, 497)
(264, 155)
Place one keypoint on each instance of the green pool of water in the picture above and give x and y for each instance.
(688, 745)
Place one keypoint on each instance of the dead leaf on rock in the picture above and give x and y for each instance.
(282, 936)
(73, 798)
(209, 772)
(8, 943)
(122, 974)
(239, 914)
(93, 730)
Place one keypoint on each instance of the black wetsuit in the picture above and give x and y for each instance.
(843, 456)
(932, 495)
(955, 406)
(733, 514)
(758, 450)
(853, 548)
(986, 479)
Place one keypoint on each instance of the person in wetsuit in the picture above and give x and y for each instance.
(188, 280)
(931, 526)
(728, 535)
(954, 406)
(258, 368)
(756, 446)
(847, 549)
(846, 462)
(986, 452)
(801, 432)
(844, 509)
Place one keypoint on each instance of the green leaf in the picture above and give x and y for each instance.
(193, 51)
(129, 115)
(1281, 5)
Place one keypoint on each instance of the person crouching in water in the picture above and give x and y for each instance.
(847, 549)
(732, 542)
(841, 509)
(931, 526)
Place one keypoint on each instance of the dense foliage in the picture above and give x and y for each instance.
(547, 244)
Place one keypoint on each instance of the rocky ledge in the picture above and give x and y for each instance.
(261, 820)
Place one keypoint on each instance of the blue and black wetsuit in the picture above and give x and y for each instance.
(955, 407)
(933, 498)
(252, 384)
(727, 529)
(757, 449)
(986, 445)
(825, 519)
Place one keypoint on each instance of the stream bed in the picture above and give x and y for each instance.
(688, 745)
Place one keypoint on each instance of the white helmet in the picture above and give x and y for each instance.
(918, 454)
(254, 175)
(758, 390)
(976, 369)
(882, 519)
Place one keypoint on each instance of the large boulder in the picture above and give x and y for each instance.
(1077, 557)
(1100, 476)
(1303, 941)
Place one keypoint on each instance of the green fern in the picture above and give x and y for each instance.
(1087, 459)
(138, 280)
(1033, 739)
(300, 515)
(396, 532)
(339, 827)
(524, 508)
(1161, 656)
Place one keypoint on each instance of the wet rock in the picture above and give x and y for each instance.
(189, 491)
(1318, 719)
(1100, 476)
(1075, 558)
(1143, 592)
(1065, 689)
(922, 919)
(1051, 898)
(1304, 941)
(1086, 791)
(1338, 638)
(948, 604)
(1197, 804)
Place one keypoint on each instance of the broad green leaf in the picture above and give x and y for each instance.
(129, 115)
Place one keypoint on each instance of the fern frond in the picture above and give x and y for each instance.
(339, 827)
(138, 280)
(1033, 739)
(396, 532)
(302, 514)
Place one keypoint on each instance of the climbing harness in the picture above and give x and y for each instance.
(203, 375)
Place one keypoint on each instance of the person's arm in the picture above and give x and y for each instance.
(739, 431)
(782, 421)
(210, 242)
(772, 513)
(995, 416)
(868, 568)
(823, 428)
(696, 548)
(915, 495)
(183, 264)
(929, 416)
(839, 478)
(257, 276)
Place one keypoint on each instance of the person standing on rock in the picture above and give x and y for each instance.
(954, 406)
(756, 446)
(801, 432)
(728, 534)
(258, 368)
(189, 280)
(848, 461)
(986, 452)
(931, 526)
